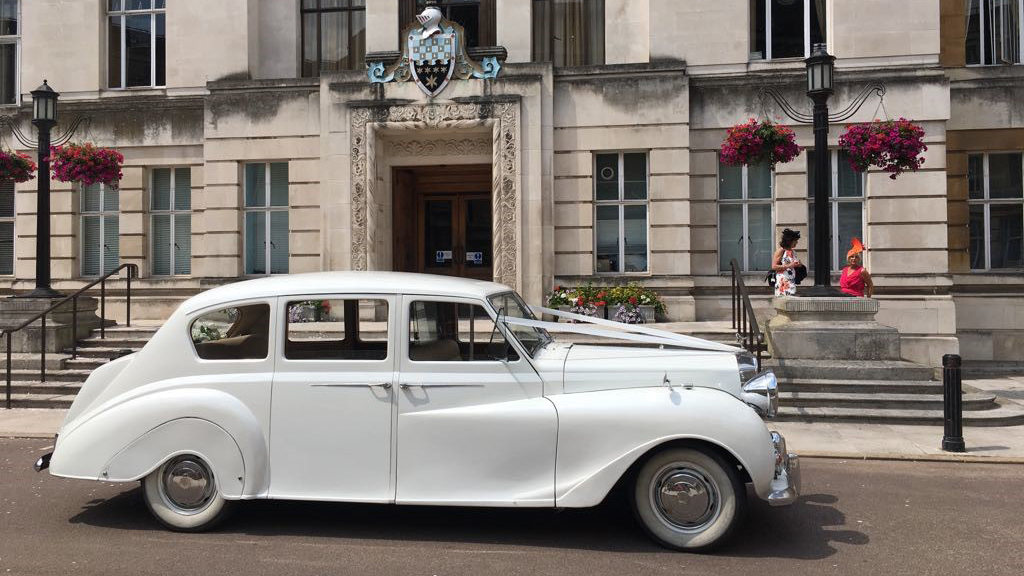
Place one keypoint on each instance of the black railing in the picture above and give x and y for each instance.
(744, 321)
(133, 272)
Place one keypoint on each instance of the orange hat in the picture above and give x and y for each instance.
(856, 249)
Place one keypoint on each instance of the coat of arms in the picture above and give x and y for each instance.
(434, 53)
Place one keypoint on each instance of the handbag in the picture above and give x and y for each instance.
(770, 278)
(800, 272)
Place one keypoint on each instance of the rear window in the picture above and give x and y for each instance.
(234, 333)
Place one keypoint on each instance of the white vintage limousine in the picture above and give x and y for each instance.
(414, 389)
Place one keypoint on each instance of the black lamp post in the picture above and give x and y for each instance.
(44, 116)
(819, 88)
(820, 67)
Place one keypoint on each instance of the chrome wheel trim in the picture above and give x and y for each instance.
(186, 485)
(685, 497)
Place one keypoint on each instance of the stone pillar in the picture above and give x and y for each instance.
(15, 311)
(830, 329)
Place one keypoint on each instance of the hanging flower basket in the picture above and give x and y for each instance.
(895, 146)
(755, 142)
(16, 166)
(86, 163)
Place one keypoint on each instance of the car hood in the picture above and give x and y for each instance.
(593, 368)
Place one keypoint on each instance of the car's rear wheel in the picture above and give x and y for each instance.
(182, 494)
(688, 499)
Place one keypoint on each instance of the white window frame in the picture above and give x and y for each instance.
(124, 52)
(621, 203)
(745, 201)
(14, 228)
(16, 40)
(988, 43)
(174, 214)
(834, 200)
(267, 209)
(987, 202)
(768, 31)
(102, 214)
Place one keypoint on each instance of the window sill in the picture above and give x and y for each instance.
(133, 91)
(759, 65)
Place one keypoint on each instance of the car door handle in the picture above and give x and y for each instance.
(407, 385)
(384, 385)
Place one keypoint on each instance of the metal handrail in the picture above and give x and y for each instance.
(744, 321)
(133, 272)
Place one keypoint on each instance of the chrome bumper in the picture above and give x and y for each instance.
(786, 483)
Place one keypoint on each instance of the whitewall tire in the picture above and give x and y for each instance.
(688, 499)
(182, 493)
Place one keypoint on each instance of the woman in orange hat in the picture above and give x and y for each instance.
(855, 279)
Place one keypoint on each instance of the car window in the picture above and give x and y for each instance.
(235, 333)
(337, 329)
(453, 332)
(509, 304)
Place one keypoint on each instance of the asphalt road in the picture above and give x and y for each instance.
(855, 517)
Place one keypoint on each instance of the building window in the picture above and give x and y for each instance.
(846, 206)
(266, 218)
(333, 35)
(620, 212)
(171, 205)
(995, 186)
(137, 43)
(994, 32)
(745, 217)
(785, 28)
(9, 45)
(568, 32)
(477, 17)
(100, 248)
(6, 227)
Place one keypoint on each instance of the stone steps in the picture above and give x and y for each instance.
(42, 388)
(981, 369)
(42, 400)
(970, 400)
(888, 370)
(860, 386)
(1002, 415)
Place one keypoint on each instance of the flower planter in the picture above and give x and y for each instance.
(755, 142)
(600, 312)
(895, 146)
(16, 166)
(649, 313)
(86, 163)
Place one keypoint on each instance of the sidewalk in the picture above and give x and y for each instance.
(819, 439)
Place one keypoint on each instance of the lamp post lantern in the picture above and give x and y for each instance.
(44, 116)
(820, 68)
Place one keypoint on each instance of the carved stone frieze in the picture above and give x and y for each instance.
(439, 147)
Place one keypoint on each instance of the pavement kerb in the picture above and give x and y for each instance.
(950, 457)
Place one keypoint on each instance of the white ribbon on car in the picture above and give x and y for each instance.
(630, 332)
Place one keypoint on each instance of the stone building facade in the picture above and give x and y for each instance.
(256, 142)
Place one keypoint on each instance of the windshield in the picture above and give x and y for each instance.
(510, 304)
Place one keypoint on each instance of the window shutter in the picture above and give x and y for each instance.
(111, 199)
(255, 185)
(7, 199)
(279, 184)
(161, 244)
(111, 247)
(91, 198)
(279, 242)
(90, 246)
(161, 196)
(182, 243)
(7, 248)
(182, 188)
(255, 242)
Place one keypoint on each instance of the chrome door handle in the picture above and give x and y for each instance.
(406, 385)
(384, 385)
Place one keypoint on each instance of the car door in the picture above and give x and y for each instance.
(472, 429)
(332, 407)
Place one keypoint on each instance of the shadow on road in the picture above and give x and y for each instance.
(805, 530)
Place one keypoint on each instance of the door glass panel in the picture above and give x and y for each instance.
(438, 226)
(478, 233)
(453, 332)
(334, 329)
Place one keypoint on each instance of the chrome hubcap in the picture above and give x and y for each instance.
(187, 484)
(686, 498)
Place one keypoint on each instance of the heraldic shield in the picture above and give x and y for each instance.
(432, 60)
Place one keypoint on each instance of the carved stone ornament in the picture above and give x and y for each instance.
(434, 52)
(439, 147)
(502, 117)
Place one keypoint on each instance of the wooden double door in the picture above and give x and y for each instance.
(442, 221)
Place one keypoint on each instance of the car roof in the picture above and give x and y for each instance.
(340, 282)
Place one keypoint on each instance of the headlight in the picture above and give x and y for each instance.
(747, 364)
(762, 393)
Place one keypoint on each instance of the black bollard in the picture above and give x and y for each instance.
(952, 405)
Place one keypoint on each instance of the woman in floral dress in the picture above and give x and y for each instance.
(783, 263)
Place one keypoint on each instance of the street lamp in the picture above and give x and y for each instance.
(820, 68)
(44, 116)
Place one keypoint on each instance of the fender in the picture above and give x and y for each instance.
(601, 434)
(182, 436)
(85, 450)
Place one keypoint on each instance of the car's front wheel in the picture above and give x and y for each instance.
(182, 494)
(688, 499)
